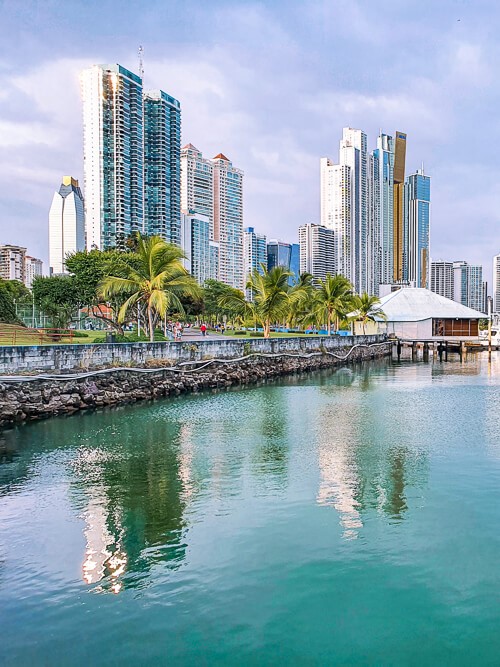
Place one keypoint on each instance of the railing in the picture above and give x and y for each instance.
(26, 336)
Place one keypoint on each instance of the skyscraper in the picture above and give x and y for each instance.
(496, 283)
(468, 285)
(113, 154)
(294, 263)
(317, 250)
(398, 206)
(195, 242)
(278, 254)
(336, 202)
(353, 153)
(66, 224)
(162, 170)
(228, 220)
(254, 254)
(416, 230)
(442, 281)
(382, 205)
(197, 183)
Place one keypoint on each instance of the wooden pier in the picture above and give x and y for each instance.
(438, 348)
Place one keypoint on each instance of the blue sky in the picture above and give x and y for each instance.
(270, 84)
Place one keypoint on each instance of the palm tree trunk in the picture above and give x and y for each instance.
(267, 327)
(329, 323)
(151, 328)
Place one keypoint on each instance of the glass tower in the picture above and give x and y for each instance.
(162, 144)
(113, 155)
(415, 262)
(254, 254)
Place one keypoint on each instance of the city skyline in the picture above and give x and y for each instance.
(237, 104)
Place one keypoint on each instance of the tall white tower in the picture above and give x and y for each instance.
(496, 283)
(66, 224)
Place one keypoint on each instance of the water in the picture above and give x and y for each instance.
(347, 518)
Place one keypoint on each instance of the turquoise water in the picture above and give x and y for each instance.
(344, 518)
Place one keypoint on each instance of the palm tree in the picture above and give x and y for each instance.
(271, 297)
(303, 292)
(367, 308)
(152, 277)
(331, 300)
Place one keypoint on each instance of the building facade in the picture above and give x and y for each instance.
(254, 254)
(278, 254)
(162, 166)
(33, 269)
(416, 240)
(317, 250)
(336, 202)
(66, 224)
(496, 283)
(197, 183)
(113, 138)
(294, 263)
(13, 262)
(228, 220)
(468, 288)
(442, 279)
(195, 243)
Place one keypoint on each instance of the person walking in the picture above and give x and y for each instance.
(203, 330)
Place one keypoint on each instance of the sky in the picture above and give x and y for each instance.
(271, 85)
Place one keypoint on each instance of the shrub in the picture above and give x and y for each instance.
(239, 333)
(80, 334)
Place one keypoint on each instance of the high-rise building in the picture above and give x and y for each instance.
(195, 242)
(317, 250)
(294, 263)
(162, 167)
(336, 202)
(113, 148)
(66, 224)
(382, 209)
(416, 230)
(197, 183)
(468, 285)
(214, 260)
(228, 220)
(496, 283)
(278, 254)
(33, 268)
(442, 279)
(398, 206)
(13, 262)
(254, 254)
(353, 153)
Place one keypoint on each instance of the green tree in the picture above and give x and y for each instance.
(222, 301)
(301, 306)
(89, 270)
(7, 306)
(332, 301)
(154, 278)
(58, 298)
(367, 308)
(272, 296)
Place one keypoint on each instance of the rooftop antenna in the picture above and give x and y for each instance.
(141, 61)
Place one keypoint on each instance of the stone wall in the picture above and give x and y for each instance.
(56, 358)
(27, 399)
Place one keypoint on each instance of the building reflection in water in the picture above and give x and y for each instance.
(134, 501)
(365, 463)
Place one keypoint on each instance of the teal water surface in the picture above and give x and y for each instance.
(343, 518)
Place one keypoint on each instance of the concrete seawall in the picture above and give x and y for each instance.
(31, 398)
(61, 358)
